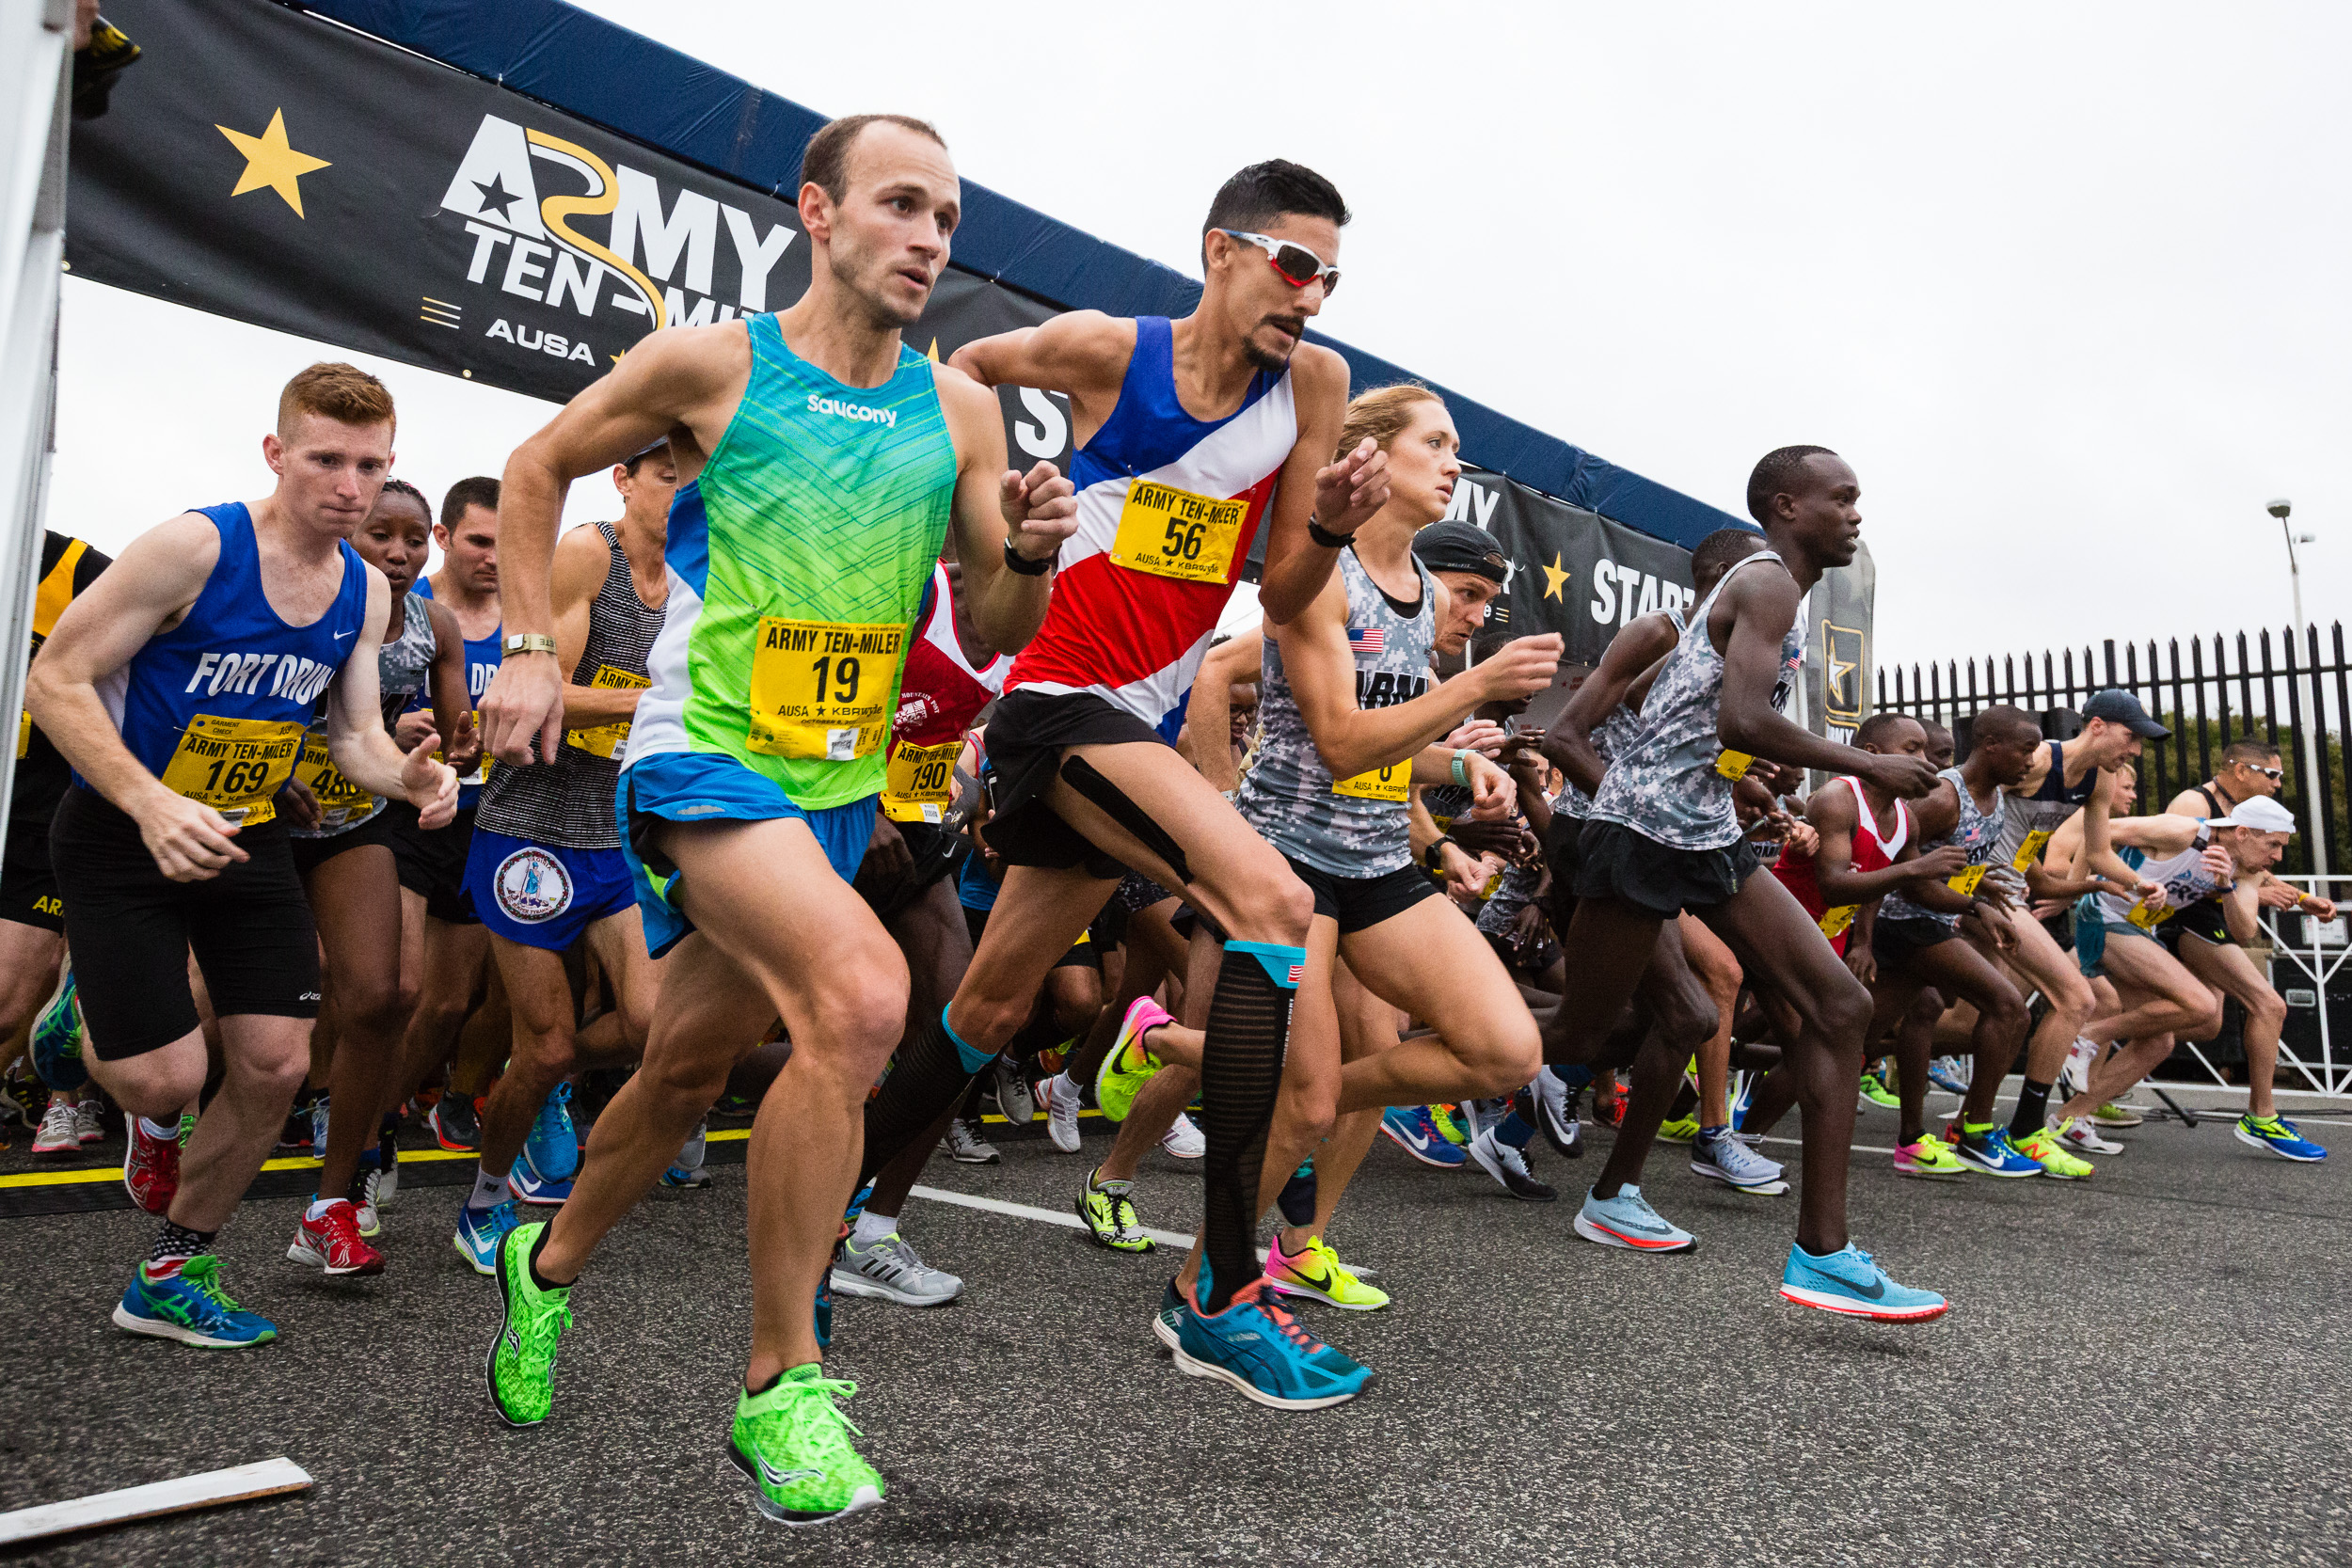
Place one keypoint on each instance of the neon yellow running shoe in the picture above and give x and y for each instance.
(1879, 1089)
(1317, 1274)
(1448, 1122)
(2043, 1146)
(1682, 1130)
(793, 1442)
(1929, 1156)
(1128, 1065)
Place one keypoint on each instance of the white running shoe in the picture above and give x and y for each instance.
(890, 1271)
(60, 1131)
(1060, 1095)
(89, 1118)
(2075, 1075)
(1183, 1139)
(965, 1145)
(1732, 1161)
(1013, 1097)
(2077, 1133)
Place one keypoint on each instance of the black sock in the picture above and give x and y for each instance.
(176, 1244)
(2033, 1109)
(542, 1281)
(930, 1073)
(1241, 1073)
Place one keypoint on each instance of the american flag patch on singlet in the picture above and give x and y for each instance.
(1367, 640)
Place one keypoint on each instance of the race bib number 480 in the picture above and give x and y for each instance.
(234, 765)
(340, 800)
(820, 689)
(1174, 533)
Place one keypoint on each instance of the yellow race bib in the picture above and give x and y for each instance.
(1174, 533)
(2032, 850)
(1836, 920)
(1392, 782)
(339, 798)
(921, 781)
(606, 740)
(1965, 881)
(2148, 918)
(820, 689)
(234, 765)
(24, 733)
(1734, 765)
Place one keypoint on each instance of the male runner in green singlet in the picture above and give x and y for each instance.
(823, 462)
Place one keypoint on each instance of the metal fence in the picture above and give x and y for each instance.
(2285, 689)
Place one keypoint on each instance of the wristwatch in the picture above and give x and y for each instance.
(1430, 857)
(1016, 562)
(527, 643)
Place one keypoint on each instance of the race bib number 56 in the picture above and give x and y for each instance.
(234, 765)
(1174, 533)
(820, 689)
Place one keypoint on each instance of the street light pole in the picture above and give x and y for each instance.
(2313, 781)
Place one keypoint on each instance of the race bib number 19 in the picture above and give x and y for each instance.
(820, 689)
(1174, 533)
(234, 765)
(1378, 784)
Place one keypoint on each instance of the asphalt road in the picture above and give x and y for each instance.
(2151, 1368)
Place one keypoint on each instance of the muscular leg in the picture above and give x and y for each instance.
(547, 1051)
(2226, 965)
(452, 970)
(2052, 971)
(359, 920)
(1718, 974)
(2160, 997)
(938, 947)
(1367, 1026)
(2132, 1061)
(1434, 964)
(29, 956)
(1171, 1088)
(1681, 1015)
(1914, 1044)
(1612, 942)
(266, 1060)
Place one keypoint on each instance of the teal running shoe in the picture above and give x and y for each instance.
(479, 1233)
(1257, 1347)
(1627, 1219)
(553, 1147)
(1851, 1282)
(1169, 1323)
(2280, 1136)
(191, 1306)
(58, 1035)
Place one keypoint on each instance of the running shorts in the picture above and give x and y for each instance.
(432, 861)
(544, 895)
(1358, 903)
(935, 852)
(311, 853)
(708, 787)
(2202, 920)
(1894, 941)
(1027, 732)
(2091, 937)
(1662, 881)
(1085, 953)
(130, 929)
(28, 883)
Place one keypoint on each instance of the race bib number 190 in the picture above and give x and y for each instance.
(820, 689)
(921, 781)
(234, 765)
(1174, 533)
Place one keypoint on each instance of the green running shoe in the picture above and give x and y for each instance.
(1877, 1088)
(1129, 1064)
(1448, 1121)
(187, 1127)
(521, 1365)
(1682, 1130)
(793, 1442)
(1109, 1209)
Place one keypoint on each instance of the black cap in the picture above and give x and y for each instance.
(1460, 547)
(2122, 707)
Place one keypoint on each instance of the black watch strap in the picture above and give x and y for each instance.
(1022, 564)
(1324, 536)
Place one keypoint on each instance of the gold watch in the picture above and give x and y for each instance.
(527, 643)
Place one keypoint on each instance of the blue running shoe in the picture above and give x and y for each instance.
(1627, 1219)
(1744, 1096)
(687, 1169)
(553, 1147)
(529, 1187)
(480, 1231)
(1412, 1129)
(1946, 1075)
(1988, 1150)
(2279, 1136)
(1261, 1350)
(319, 1110)
(190, 1306)
(57, 1036)
(1851, 1282)
(1168, 1325)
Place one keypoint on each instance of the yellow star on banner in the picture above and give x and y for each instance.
(269, 161)
(1554, 578)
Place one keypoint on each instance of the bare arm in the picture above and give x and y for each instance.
(1208, 743)
(1341, 496)
(1752, 613)
(363, 752)
(1082, 354)
(1037, 511)
(581, 563)
(2240, 908)
(452, 702)
(1834, 815)
(1568, 744)
(2098, 853)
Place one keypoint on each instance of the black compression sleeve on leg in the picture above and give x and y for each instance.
(1241, 1073)
(928, 1075)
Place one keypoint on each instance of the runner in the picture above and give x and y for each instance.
(179, 686)
(1191, 436)
(824, 461)
(1664, 837)
(342, 852)
(2249, 768)
(545, 871)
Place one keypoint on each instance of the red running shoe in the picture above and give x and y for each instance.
(151, 1168)
(333, 1241)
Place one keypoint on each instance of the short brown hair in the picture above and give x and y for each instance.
(335, 391)
(479, 491)
(826, 164)
(1382, 413)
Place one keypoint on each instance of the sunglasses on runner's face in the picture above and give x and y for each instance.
(1298, 265)
(2274, 774)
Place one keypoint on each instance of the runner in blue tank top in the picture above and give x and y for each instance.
(179, 686)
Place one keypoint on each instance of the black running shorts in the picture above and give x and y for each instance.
(1894, 941)
(1027, 732)
(1662, 881)
(2202, 920)
(432, 861)
(1360, 903)
(28, 884)
(934, 853)
(311, 853)
(130, 928)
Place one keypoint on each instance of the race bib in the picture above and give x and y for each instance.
(820, 689)
(921, 781)
(2032, 850)
(2148, 917)
(481, 773)
(234, 765)
(24, 733)
(1965, 881)
(1174, 533)
(606, 740)
(1392, 782)
(1836, 920)
(339, 798)
(1734, 765)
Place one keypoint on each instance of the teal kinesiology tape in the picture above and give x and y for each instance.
(971, 1055)
(1285, 966)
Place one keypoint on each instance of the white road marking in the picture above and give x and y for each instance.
(1027, 1211)
(265, 1479)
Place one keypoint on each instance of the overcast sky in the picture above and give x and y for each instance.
(2065, 284)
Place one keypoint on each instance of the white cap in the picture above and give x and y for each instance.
(2260, 812)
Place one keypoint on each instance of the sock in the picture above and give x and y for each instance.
(1116, 1185)
(1512, 1131)
(166, 1133)
(872, 1227)
(318, 1208)
(1570, 1077)
(174, 1245)
(488, 1191)
(1707, 1134)
(2033, 1109)
(1064, 1084)
(533, 1262)
(1241, 1072)
(931, 1073)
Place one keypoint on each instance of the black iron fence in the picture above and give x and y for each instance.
(2211, 692)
